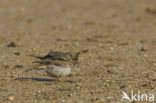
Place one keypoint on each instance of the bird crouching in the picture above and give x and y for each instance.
(57, 63)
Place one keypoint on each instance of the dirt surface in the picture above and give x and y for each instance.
(120, 36)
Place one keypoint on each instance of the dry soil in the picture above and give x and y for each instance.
(120, 36)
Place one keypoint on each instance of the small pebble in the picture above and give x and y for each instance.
(144, 85)
(150, 10)
(11, 98)
(102, 99)
(122, 86)
(76, 44)
(154, 80)
(11, 44)
(69, 95)
(17, 53)
(18, 66)
(154, 64)
(6, 67)
(29, 20)
(13, 72)
(145, 55)
(111, 48)
(108, 71)
(62, 101)
(143, 49)
(32, 50)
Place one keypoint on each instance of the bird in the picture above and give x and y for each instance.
(58, 64)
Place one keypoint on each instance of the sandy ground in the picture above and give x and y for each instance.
(119, 34)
